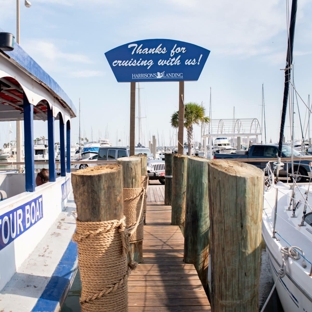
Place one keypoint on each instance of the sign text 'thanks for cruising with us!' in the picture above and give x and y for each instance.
(157, 60)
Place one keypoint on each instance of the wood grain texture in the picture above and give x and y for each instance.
(168, 179)
(98, 193)
(196, 231)
(235, 204)
(131, 167)
(178, 202)
(132, 178)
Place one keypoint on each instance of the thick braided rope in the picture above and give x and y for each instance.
(103, 265)
(108, 290)
(133, 210)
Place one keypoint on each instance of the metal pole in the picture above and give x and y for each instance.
(18, 122)
(181, 118)
(132, 117)
(17, 22)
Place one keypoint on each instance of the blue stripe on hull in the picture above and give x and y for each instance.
(60, 282)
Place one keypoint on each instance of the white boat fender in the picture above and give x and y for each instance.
(3, 195)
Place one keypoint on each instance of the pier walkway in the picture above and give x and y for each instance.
(163, 282)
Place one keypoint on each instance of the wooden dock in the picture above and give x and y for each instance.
(163, 282)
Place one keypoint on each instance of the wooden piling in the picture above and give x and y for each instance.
(133, 203)
(235, 205)
(168, 178)
(196, 243)
(98, 194)
(178, 202)
(143, 158)
(144, 178)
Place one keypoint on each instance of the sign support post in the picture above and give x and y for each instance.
(181, 118)
(132, 118)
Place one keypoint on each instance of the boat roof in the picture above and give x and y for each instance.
(19, 74)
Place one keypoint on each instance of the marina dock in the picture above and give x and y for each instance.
(163, 282)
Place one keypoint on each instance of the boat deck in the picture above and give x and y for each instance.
(163, 282)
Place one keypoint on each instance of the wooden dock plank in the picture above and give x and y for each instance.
(163, 282)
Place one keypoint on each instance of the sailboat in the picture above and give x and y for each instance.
(287, 222)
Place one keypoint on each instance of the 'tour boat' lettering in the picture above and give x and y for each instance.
(18, 220)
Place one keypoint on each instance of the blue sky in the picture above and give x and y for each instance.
(247, 40)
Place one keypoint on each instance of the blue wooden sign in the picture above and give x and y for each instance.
(157, 60)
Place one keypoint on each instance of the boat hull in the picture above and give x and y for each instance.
(294, 287)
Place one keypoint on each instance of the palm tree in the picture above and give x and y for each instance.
(193, 114)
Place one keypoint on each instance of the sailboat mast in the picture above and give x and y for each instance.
(263, 123)
(79, 127)
(289, 59)
(309, 112)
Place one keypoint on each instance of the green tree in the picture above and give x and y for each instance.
(193, 114)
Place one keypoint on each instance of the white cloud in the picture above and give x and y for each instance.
(50, 52)
(86, 73)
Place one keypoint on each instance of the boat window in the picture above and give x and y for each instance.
(308, 218)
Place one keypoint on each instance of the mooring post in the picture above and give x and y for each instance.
(235, 209)
(196, 233)
(144, 178)
(133, 194)
(168, 178)
(178, 202)
(98, 194)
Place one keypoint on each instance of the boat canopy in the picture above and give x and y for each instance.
(28, 93)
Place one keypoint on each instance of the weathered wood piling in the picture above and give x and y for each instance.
(196, 244)
(235, 210)
(133, 194)
(144, 179)
(102, 242)
(178, 202)
(168, 178)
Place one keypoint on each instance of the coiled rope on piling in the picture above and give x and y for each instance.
(134, 212)
(103, 264)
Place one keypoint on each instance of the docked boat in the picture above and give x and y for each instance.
(287, 222)
(41, 152)
(222, 145)
(287, 232)
(36, 222)
(5, 154)
(94, 146)
(9, 152)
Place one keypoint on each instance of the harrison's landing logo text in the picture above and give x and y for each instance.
(158, 75)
